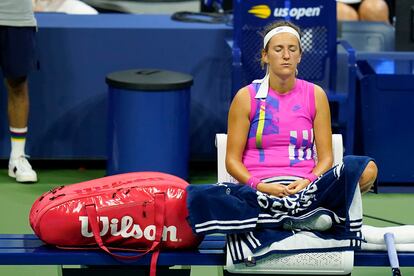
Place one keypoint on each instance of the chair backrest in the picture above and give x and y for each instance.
(317, 20)
(368, 36)
(221, 144)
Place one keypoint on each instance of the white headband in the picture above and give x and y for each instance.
(264, 83)
(278, 30)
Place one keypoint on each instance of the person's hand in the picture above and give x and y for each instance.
(297, 186)
(273, 189)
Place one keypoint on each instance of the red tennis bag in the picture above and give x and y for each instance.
(145, 211)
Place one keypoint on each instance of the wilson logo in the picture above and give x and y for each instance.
(264, 11)
(127, 229)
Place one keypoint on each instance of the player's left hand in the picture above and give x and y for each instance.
(297, 185)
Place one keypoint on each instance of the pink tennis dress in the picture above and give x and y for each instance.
(281, 139)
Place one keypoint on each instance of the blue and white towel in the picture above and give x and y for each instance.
(253, 220)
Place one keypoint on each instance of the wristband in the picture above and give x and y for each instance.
(311, 177)
(253, 181)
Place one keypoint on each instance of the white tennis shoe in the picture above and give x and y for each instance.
(315, 223)
(21, 170)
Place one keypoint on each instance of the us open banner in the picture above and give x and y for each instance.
(258, 11)
(317, 20)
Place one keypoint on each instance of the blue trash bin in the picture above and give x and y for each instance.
(148, 119)
(387, 101)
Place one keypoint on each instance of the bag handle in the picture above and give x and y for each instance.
(159, 206)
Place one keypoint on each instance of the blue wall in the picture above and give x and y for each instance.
(68, 112)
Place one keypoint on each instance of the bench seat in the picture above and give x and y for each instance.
(27, 249)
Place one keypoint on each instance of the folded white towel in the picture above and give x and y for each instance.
(76, 7)
(375, 235)
(402, 247)
(64, 6)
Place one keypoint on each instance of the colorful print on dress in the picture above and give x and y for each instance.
(301, 148)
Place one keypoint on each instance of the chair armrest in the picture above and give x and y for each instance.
(222, 174)
(348, 48)
(337, 148)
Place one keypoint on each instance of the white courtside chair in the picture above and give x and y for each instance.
(323, 263)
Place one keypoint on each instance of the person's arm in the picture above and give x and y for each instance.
(323, 140)
(323, 132)
(237, 133)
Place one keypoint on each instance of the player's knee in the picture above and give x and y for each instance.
(368, 177)
(345, 12)
(374, 10)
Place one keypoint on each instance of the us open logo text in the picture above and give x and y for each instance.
(264, 11)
